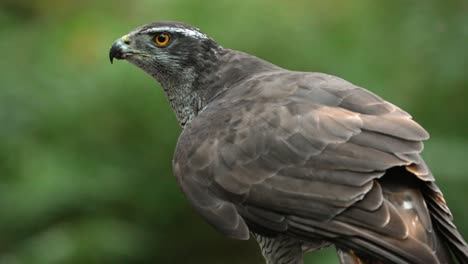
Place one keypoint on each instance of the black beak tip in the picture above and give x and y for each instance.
(115, 52)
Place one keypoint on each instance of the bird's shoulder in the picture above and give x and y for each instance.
(280, 86)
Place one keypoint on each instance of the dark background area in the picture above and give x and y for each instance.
(86, 147)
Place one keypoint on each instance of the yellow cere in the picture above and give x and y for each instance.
(126, 38)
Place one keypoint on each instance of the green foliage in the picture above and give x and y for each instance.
(86, 147)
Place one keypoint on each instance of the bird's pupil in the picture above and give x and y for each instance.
(161, 38)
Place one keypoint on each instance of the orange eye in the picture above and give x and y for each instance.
(162, 39)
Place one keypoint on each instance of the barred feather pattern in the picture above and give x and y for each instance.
(280, 249)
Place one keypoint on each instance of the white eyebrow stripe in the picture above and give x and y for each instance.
(184, 31)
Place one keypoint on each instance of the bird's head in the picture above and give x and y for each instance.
(171, 52)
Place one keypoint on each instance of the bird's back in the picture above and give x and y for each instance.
(313, 157)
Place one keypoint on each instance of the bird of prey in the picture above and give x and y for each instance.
(298, 160)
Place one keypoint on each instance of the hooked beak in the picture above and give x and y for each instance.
(120, 49)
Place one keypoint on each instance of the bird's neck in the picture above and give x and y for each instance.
(184, 98)
(186, 88)
(190, 91)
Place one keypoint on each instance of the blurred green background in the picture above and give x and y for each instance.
(86, 147)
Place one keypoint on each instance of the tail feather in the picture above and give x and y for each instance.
(421, 206)
(442, 221)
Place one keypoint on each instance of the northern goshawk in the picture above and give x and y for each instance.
(300, 160)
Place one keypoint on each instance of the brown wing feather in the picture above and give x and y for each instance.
(306, 155)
